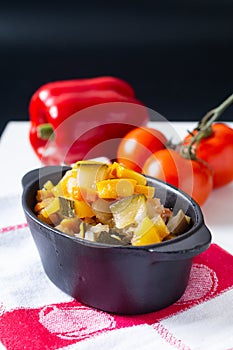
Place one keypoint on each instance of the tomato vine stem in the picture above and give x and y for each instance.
(204, 129)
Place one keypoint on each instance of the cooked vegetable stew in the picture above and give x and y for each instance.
(108, 203)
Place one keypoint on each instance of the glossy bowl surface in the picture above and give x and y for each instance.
(118, 279)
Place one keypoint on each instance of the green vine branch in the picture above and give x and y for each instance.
(203, 129)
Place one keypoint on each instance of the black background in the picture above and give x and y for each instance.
(178, 55)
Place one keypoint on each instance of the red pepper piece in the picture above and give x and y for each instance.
(87, 117)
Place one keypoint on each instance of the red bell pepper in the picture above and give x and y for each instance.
(87, 118)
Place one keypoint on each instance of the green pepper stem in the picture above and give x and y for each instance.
(204, 128)
(45, 131)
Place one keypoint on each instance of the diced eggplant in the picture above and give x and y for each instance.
(102, 211)
(102, 205)
(90, 236)
(125, 234)
(106, 238)
(179, 223)
(67, 207)
(92, 232)
(70, 225)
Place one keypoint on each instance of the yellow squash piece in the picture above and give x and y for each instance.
(115, 188)
(69, 181)
(161, 227)
(43, 194)
(146, 233)
(81, 193)
(48, 185)
(117, 170)
(83, 209)
(51, 208)
(58, 190)
(148, 191)
(46, 220)
(39, 206)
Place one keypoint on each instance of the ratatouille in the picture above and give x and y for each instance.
(110, 204)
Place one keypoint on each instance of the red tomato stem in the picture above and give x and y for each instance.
(204, 129)
(211, 116)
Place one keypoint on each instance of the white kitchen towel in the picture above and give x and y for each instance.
(35, 314)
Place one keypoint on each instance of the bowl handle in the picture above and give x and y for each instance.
(187, 247)
(29, 177)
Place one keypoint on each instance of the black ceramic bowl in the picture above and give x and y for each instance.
(118, 279)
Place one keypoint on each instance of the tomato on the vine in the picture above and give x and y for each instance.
(191, 176)
(138, 145)
(217, 151)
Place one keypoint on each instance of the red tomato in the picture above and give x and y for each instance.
(191, 176)
(217, 151)
(138, 145)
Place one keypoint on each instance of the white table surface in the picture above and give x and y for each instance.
(17, 158)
